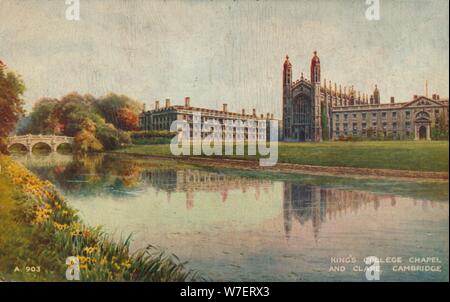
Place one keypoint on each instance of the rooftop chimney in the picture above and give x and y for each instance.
(268, 115)
(156, 105)
(392, 100)
(187, 102)
(225, 107)
(262, 116)
(254, 112)
(415, 96)
(167, 103)
(143, 107)
(271, 116)
(434, 96)
(243, 111)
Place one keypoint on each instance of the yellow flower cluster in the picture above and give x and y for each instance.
(42, 214)
(90, 250)
(60, 227)
(85, 261)
(118, 265)
(80, 232)
(31, 184)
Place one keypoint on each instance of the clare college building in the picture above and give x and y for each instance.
(161, 117)
(314, 110)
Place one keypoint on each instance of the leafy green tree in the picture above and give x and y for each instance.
(112, 138)
(96, 124)
(85, 140)
(72, 110)
(440, 130)
(42, 120)
(119, 110)
(12, 88)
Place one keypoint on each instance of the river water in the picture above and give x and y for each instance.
(232, 226)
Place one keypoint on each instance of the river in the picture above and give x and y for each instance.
(236, 226)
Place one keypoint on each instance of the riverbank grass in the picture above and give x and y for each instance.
(39, 231)
(397, 155)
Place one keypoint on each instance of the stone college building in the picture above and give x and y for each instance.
(315, 110)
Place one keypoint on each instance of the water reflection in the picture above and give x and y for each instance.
(190, 181)
(305, 203)
(100, 174)
(233, 227)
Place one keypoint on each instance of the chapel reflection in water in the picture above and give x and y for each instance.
(303, 203)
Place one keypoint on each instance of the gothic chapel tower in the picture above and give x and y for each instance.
(287, 104)
(315, 83)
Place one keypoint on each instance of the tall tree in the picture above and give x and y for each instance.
(128, 120)
(112, 104)
(42, 119)
(11, 103)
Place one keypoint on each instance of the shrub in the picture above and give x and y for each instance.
(151, 137)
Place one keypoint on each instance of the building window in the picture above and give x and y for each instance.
(337, 117)
(354, 115)
(345, 126)
(355, 126)
(383, 115)
(364, 115)
(408, 125)
(384, 126)
(394, 126)
(394, 115)
(374, 115)
(337, 126)
(408, 115)
(364, 126)
(345, 116)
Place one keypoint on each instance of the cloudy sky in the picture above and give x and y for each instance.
(223, 50)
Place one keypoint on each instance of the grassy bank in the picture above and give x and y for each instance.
(38, 232)
(399, 155)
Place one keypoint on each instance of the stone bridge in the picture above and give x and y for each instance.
(29, 141)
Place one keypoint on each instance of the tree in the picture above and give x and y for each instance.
(112, 138)
(112, 104)
(72, 110)
(440, 130)
(41, 119)
(85, 140)
(11, 103)
(128, 120)
(83, 117)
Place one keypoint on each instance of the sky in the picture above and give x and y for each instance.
(223, 51)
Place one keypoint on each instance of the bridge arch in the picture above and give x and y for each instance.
(30, 141)
(41, 144)
(23, 146)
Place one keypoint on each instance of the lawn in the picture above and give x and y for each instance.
(402, 155)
